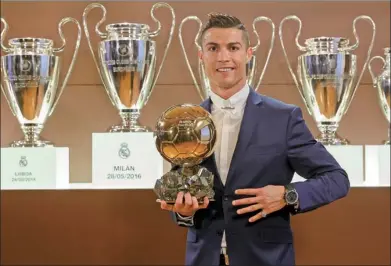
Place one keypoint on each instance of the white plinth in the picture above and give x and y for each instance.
(34, 168)
(377, 165)
(351, 159)
(125, 160)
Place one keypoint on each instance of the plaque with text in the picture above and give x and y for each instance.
(34, 168)
(125, 160)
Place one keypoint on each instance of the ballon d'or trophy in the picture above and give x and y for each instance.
(204, 87)
(126, 63)
(382, 85)
(185, 135)
(327, 78)
(30, 70)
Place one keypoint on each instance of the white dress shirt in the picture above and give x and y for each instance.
(227, 116)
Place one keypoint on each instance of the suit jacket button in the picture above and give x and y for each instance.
(225, 198)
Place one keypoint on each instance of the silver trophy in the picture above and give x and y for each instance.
(204, 87)
(126, 64)
(327, 78)
(30, 73)
(383, 86)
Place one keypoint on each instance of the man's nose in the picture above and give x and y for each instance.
(223, 55)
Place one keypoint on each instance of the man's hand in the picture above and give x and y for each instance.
(267, 199)
(185, 204)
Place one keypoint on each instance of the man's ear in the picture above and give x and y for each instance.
(249, 54)
(200, 54)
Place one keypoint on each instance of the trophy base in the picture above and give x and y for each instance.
(31, 143)
(196, 180)
(172, 202)
(127, 128)
(335, 140)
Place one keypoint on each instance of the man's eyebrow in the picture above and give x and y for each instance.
(235, 43)
(211, 43)
(231, 43)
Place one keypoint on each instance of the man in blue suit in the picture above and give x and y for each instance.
(261, 143)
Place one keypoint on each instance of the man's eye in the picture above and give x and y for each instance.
(212, 48)
(234, 48)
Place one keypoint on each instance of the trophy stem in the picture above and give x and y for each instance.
(328, 134)
(187, 171)
(130, 123)
(130, 119)
(31, 137)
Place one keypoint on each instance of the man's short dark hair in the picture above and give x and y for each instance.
(219, 20)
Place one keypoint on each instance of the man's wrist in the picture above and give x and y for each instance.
(283, 193)
(186, 221)
(185, 215)
(291, 197)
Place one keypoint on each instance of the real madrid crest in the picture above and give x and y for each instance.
(124, 151)
(23, 161)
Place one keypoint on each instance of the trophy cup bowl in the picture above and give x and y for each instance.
(126, 63)
(185, 135)
(251, 67)
(30, 74)
(327, 78)
(383, 86)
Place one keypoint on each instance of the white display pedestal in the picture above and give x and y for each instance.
(34, 168)
(125, 160)
(351, 159)
(377, 165)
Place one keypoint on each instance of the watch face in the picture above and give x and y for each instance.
(291, 197)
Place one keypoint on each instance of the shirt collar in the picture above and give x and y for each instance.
(236, 101)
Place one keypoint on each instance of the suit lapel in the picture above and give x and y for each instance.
(249, 124)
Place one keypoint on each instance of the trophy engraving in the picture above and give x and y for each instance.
(185, 135)
(126, 63)
(327, 78)
(30, 81)
(382, 86)
(252, 67)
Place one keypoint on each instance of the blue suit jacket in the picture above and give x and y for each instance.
(274, 142)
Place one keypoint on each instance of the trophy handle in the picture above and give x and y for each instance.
(156, 33)
(184, 49)
(301, 48)
(60, 49)
(374, 78)
(5, 95)
(255, 48)
(101, 35)
(3, 33)
(354, 46)
(6, 49)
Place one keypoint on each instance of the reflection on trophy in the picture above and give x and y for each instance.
(327, 78)
(30, 75)
(204, 88)
(185, 135)
(382, 84)
(126, 64)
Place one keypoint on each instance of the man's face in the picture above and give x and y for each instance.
(225, 55)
